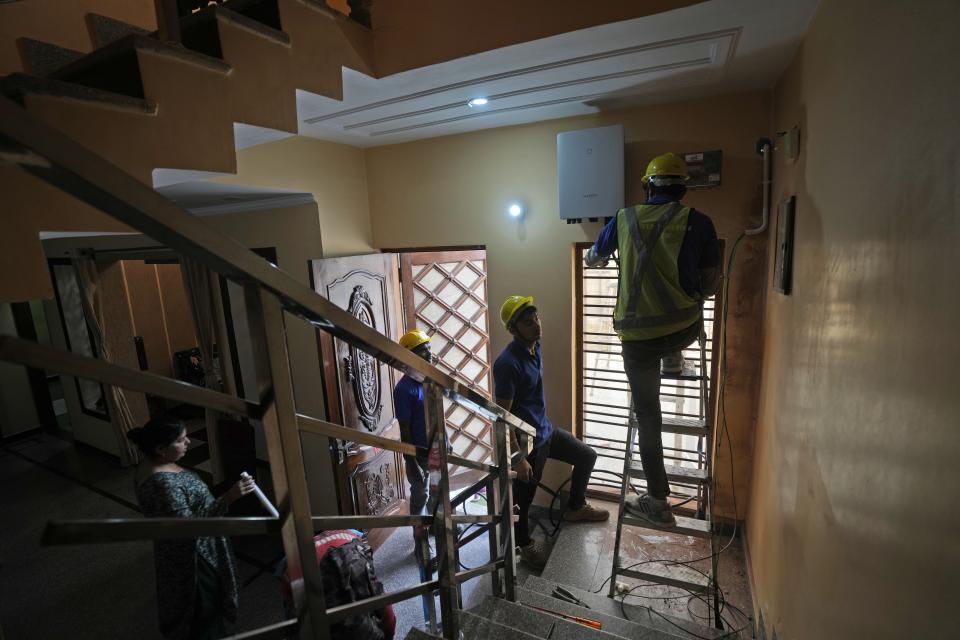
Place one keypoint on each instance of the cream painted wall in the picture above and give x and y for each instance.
(334, 173)
(853, 522)
(454, 191)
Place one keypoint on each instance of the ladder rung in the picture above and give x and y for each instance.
(679, 376)
(685, 526)
(674, 575)
(674, 473)
(685, 426)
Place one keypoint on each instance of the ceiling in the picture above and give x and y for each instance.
(708, 48)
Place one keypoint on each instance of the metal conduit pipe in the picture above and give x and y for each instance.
(764, 148)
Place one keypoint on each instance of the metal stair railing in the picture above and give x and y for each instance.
(269, 292)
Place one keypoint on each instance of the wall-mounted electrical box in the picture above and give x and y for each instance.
(590, 172)
(791, 144)
(704, 168)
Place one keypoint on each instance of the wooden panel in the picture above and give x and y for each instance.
(176, 308)
(359, 388)
(445, 294)
(146, 313)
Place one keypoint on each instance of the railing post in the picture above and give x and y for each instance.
(507, 542)
(275, 387)
(444, 528)
(496, 584)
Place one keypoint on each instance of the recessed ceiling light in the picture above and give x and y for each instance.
(515, 210)
(477, 102)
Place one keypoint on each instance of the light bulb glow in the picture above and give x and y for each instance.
(477, 102)
(515, 210)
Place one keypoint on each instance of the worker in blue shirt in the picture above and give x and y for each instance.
(669, 261)
(408, 402)
(518, 387)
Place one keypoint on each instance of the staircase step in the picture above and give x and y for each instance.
(685, 526)
(419, 634)
(680, 376)
(640, 616)
(18, 86)
(675, 473)
(116, 67)
(685, 426)
(613, 625)
(105, 30)
(199, 32)
(42, 58)
(673, 575)
(539, 623)
(474, 627)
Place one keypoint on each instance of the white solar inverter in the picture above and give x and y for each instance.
(590, 172)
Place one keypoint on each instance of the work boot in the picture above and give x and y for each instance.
(653, 510)
(672, 364)
(586, 513)
(535, 554)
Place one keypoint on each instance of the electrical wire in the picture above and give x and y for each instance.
(689, 596)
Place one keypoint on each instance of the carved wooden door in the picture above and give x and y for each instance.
(359, 389)
(445, 294)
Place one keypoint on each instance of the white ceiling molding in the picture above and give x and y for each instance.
(620, 56)
(704, 49)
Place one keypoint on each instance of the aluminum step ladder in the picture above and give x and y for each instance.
(666, 573)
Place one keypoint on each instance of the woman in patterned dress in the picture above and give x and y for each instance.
(196, 577)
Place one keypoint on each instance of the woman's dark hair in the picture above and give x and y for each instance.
(158, 432)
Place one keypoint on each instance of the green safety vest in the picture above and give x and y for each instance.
(650, 301)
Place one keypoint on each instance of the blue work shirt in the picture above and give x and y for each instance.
(518, 375)
(700, 249)
(408, 402)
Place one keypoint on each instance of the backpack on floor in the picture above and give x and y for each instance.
(348, 576)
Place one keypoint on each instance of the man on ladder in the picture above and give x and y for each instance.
(669, 262)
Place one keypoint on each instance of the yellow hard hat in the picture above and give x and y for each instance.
(510, 307)
(669, 166)
(413, 339)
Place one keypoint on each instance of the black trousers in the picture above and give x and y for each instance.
(419, 478)
(562, 446)
(641, 361)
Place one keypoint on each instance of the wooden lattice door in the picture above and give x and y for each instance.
(445, 294)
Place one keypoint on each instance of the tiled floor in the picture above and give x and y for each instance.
(91, 591)
(583, 556)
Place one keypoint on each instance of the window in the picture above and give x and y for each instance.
(603, 393)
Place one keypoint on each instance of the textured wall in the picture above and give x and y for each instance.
(853, 522)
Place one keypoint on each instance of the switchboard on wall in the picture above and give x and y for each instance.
(590, 172)
(704, 168)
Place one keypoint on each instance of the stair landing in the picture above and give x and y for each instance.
(583, 553)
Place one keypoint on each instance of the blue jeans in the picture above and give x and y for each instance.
(641, 361)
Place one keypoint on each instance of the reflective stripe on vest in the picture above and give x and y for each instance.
(650, 300)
